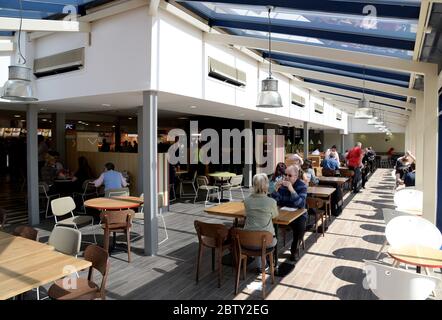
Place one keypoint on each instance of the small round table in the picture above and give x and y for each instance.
(112, 204)
(223, 176)
(419, 256)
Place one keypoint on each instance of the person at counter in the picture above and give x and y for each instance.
(292, 192)
(110, 178)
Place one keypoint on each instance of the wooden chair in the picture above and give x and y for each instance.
(328, 172)
(243, 241)
(216, 237)
(316, 204)
(117, 222)
(85, 289)
(26, 232)
(348, 174)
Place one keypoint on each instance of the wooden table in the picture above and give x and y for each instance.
(236, 210)
(138, 200)
(333, 180)
(323, 192)
(418, 256)
(27, 264)
(113, 203)
(222, 176)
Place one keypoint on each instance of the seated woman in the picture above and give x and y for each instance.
(260, 209)
(277, 176)
(410, 176)
(310, 172)
(292, 192)
(83, 173)
(402, 167)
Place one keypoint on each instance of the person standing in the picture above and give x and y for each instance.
(354, 158)
(292, 192)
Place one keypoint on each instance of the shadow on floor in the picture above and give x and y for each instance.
(371, 227)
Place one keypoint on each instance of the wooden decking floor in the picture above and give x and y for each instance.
(330, 268)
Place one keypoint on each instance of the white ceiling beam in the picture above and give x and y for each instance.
(354, 94)
(6, 46)
(13, 24)
(101, 12)
(153, 7)
(328, 54)
(354, 82)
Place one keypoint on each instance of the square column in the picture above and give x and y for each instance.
(147, 164)
(306, 140)
(60, 134)
(419, 138)
(32, 165)
(248, 173)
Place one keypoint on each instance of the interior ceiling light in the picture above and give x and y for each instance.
(269, 96)
(19, 87)
(364, 111)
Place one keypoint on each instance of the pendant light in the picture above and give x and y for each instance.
(364, 111)
(269, 96)
(19, 87)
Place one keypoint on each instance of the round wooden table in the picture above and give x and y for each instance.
(113, 204)
(419, 256)
(222, 176)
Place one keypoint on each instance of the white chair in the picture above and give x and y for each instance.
(65, 206)
(43, 189)
(412, 230)
(203, 184)
(389, 214)
(408, 199)
(88, 190)
(139, 216)
(65, 240)
(121, 192)
(188, 182)
(385, 162)
(389, 283)
(234, 184)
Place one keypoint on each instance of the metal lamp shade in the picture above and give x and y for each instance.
(19, 86)
(364, 111)
(269, 96)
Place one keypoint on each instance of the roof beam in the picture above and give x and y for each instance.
(13, 24)
(153, 7)
(307, 31)
(328, 54)
(345, 80)
(357, 95)
(402, 10)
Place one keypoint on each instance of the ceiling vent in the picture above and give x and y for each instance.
(226, 73)
(319, 108)
(59, 63)
(298, 100)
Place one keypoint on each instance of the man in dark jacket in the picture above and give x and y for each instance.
(292, 192)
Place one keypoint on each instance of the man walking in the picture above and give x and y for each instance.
(354, 158)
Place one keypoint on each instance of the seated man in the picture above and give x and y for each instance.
(410, 177)
(110, 178)
(330, 163)
(292, 192)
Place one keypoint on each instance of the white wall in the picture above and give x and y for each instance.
(361, 126)
(116, 60)
(380, 142)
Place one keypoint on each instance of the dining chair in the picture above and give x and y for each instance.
(26, 232)
(117, 222)
(191, 182)
(328, 172)
(86, 288)
(203, 184)
(248, 243)
(314, 205)
(139, 217)
(88, 190)
(120, 192)
(65, 240)
(43, 190)
(234, 184)
(389, 283)
(213, 236)
(347, 173)
(65, 207)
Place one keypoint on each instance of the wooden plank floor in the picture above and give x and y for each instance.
(330, 268)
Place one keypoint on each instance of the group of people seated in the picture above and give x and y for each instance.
(405, 170)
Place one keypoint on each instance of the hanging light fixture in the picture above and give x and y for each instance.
(364, 111)
(269, 96)
(19, 86)
(301, 142)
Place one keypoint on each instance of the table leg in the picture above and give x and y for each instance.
(418, 269)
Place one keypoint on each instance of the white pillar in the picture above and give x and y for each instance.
(419, 139)
(147, 153)
(306, 140)
(430, 145)
(32, 164)
(342, 143)
(248, 167)
(60, 134)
